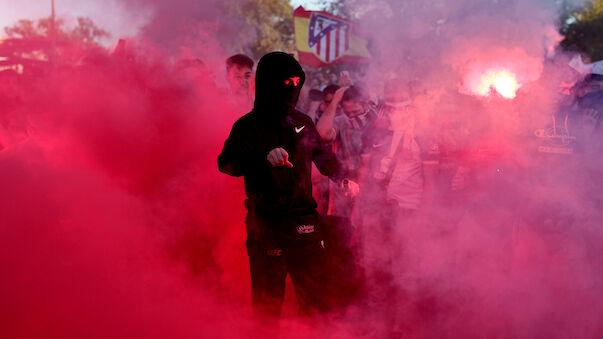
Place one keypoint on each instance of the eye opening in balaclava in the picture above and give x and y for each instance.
(279, 79)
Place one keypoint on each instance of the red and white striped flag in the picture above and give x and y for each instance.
(324, 39)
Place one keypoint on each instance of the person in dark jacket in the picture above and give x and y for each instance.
(273, 147)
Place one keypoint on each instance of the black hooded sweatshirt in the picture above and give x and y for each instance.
(277, 192)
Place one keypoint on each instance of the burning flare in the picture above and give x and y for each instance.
(501, 80)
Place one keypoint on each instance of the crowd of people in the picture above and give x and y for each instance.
(398, 164)
(353, 168)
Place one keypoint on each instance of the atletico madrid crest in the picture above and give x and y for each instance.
(328, 37)
(324, 39)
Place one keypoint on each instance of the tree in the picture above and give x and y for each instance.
(583, 29)
(269, 23)
(24, 29)
(85, 31)
(30, 45)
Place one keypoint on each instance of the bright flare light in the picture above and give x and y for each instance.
(503, 81)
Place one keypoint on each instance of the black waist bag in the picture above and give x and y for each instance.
(286, 230)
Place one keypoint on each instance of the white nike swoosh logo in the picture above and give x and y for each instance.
(378, 145)
(299, 129)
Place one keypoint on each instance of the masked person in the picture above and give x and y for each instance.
(395, 153)
(394, 169)
(273, 148)
(392, 192)
(319, 105)
(345, 131)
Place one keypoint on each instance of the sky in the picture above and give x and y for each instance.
(308, 4)
(119, 22)
(108, 14)
(118, 223)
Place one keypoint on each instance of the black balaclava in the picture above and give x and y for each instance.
(278, 81)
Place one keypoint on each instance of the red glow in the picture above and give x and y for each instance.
(294, 81)
(502, 80)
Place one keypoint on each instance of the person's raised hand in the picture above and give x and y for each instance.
(339, 94)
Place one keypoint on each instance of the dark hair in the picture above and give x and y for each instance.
(354, 93)
(330, 89)
(240, 60)
(595, 77)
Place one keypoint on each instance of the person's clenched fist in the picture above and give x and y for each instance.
(279, 157)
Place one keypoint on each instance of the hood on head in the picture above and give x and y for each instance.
(278, 82)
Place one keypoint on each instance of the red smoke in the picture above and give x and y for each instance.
(493, 258)
(116, 223)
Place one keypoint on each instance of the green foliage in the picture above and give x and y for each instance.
(269, 23)
(583, 29)
(87, 32)
(23, 29)
(84, 32)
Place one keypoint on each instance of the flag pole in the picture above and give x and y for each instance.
(53, 35)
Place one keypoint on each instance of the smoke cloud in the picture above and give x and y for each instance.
(109, 174)
(116, 222)
(510, 254)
